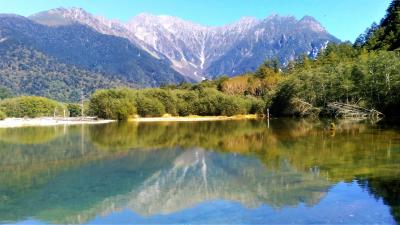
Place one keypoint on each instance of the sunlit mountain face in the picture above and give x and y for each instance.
(174, 172)
(198, 51)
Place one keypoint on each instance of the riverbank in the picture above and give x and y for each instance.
(192, 118)
(48, 121)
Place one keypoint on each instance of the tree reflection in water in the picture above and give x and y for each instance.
(71, 174)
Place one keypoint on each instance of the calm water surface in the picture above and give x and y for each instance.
(231, 172)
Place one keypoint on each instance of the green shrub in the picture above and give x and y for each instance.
(183, 108)
(166, 97)
(207, 104)
(75, 110)
(201, 100)
(257, 106)
(229, 106)
(214, 103)
(112, 104)
(31, 106)
(147, 106)
(185, 103)
(2, 115)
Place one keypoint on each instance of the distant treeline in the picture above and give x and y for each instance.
(34, 106)
(198, 100)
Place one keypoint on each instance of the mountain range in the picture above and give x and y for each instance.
(148, 50)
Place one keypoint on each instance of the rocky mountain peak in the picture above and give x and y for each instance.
(76, 11)
(60, 16)
(312, 23)
(199, 51)
(242, 23)
(67, 16)
(170, 23)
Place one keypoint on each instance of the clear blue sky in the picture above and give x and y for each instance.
(345, 19)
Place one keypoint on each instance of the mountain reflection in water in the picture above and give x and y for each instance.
(209, 172)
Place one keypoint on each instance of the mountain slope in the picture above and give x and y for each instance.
(198, 51)
(231, 49)
(63, 17)
(27, 71)
(190, 47)
(81, 46)
(283, 38)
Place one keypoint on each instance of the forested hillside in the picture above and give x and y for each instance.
(344, 74)
(61, 55)
(26, 71)
(386, 35)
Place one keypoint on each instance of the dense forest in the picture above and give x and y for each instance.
(386, 35)
(26, 70)
(365, 74)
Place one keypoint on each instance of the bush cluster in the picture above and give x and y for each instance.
(112, 104)
(31, 106)
(156, 102)
(74, 109)
(345, 74)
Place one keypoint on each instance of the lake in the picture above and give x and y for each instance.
(286, 171)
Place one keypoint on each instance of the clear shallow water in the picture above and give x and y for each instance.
(232, 172)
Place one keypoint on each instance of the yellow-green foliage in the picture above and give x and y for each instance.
(29, 135)
(165, 99)
(30, 106)
(112, 104)
(149, 106)
(2, 115)
(342, 73)
(74, 109)
(204, 101)
(262, 85)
